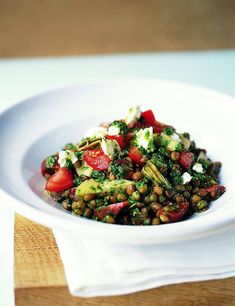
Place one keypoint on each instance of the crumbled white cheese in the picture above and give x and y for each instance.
(96, 132)
(134, 114)
(109, 147)
(198, 168)
(113, 130)
(144, 137)
(66, 155)
(186, 177)
(176, 137)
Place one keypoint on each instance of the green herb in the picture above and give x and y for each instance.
(68, 164)
(140, 184)
(205, 163)
(177, 177)
(168, 131)
(78, 180)
(70, 146)
(98, 176)
(117, 170)
(199, 176)
(134, 211)
(79, 155)
(50, 162)
(161, 151)
(121, 125)
(178, 147)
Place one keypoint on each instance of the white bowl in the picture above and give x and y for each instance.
(35, 128)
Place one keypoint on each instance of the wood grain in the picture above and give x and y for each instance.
(61, 27)
(40, 280)
(37, 259)
(213, 293)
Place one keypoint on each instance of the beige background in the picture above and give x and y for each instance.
(62, 27)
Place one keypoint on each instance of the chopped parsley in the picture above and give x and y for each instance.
(78, 180)
(140, 184)
(79, 155)
(98, 176)
(68, 164)
(178, 147)
(168, 131)
(122, 126)
(118, 170)
(50, 162)
(177, 177)
(199, 176)
(70, 146)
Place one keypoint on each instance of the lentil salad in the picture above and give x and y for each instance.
(133, 171)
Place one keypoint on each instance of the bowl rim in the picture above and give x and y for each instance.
(143, 234)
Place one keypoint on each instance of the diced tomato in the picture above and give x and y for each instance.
(175, 214)
(158, 127)
(129, 136)
(179, 214)
(114, 209)
(44, 169)
(135, 155)
(100, 212)
(186, 159)
(216, 191)
(119, 139)
(97, 159)
(61, 180)
(149, 118)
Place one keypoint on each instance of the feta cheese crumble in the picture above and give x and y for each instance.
(113, 130)
(144, 138)
(109, 147)
(176, 137)
(198, 168)
(66, 155)
(186, 177)
(97, 132)
(134, 114)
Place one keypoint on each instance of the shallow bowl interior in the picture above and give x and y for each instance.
(37, 127)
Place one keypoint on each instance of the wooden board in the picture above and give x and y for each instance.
(40, 280)
(62, 27)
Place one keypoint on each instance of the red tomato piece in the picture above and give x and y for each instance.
(176, 214)
(114, 209)
(44, 169)
(135, 155)
(61, 180)
(186, 159)
(216, 191)
(119, 139)
(129, 136)
(149, 118)
(97, 159)
(100, 212)
(158, 127)
(179, 214)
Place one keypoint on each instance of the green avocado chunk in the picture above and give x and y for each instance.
(91, 186)
(171, 143)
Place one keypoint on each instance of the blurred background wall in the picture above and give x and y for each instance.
(69, 27)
